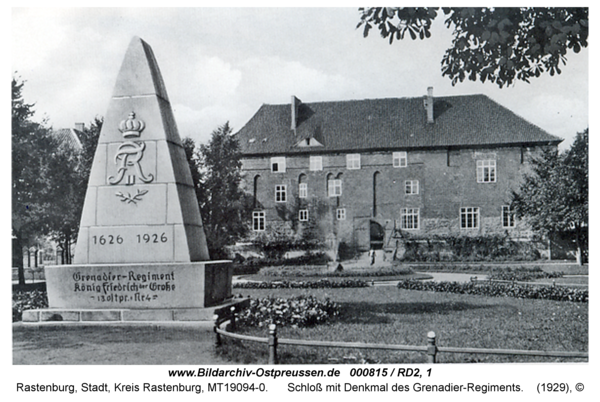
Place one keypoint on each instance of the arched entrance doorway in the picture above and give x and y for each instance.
(377, 236)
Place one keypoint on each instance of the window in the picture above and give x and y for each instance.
(469, 218)
(341, 214)
(508, 217)
(409, 218)
(316, 163)
(303, 215)
(486, 171)
(411, 186)
(280, 193)
(353, 161)
(258, 221)
(334, 187)
(278, 164)
(399, 159)
(302, 190)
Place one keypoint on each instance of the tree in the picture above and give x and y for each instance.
(495, 44)
(31, 144)
(49, 180)
(554, 197)
(69, 172)
(216, 174)
(193, 158)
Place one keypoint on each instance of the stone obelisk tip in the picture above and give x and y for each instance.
(139, 73)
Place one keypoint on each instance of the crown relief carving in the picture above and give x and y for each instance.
(131, 127)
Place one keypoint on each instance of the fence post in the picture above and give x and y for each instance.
(232, 319)
(431, 348)
(218, 336)
(272, 344)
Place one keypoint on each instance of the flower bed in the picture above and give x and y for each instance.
(558, 293)
(299, 311)
(320, 284)
(30, 300)
(523, 275)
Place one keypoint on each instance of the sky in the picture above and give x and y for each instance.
(221, 64)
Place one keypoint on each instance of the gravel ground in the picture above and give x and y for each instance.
(120, 344)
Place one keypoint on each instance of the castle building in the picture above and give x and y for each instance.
(368, 171)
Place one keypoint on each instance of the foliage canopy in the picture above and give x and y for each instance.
(494, 44)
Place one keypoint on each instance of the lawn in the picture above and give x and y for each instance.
(376, 314)
(385, 314)
(405, 271)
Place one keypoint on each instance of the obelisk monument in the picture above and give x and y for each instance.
(140, 196)
(141, 252)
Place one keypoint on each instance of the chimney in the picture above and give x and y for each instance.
(79, 126)
(428, 102)
(295, 104)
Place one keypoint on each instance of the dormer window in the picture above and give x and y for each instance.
(278, 164)
(309, 142)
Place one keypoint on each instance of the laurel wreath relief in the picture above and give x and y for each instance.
(131, 199)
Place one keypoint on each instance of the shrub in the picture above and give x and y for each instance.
(253, 264)
(274, 244)
(311, 271)
(299, 311)
(469, 249)
(558, 293)
(245, 269)
(347, 251)
(310, 258)
(522, 275)
(29, 300)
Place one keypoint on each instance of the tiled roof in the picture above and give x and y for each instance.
(395, 123)
(68, 137)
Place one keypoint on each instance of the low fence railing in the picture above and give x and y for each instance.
(431, 349)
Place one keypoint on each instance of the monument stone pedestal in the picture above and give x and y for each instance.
(135, 292)
(141, 252)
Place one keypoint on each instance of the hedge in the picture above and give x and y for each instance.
(469, 249)
(312, 271)
(320, 284)
(494, 289)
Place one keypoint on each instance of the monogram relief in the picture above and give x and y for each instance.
(128, 158)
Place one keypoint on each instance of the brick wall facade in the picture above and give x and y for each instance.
(440, 183)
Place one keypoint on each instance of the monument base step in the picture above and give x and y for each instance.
(86, 316)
